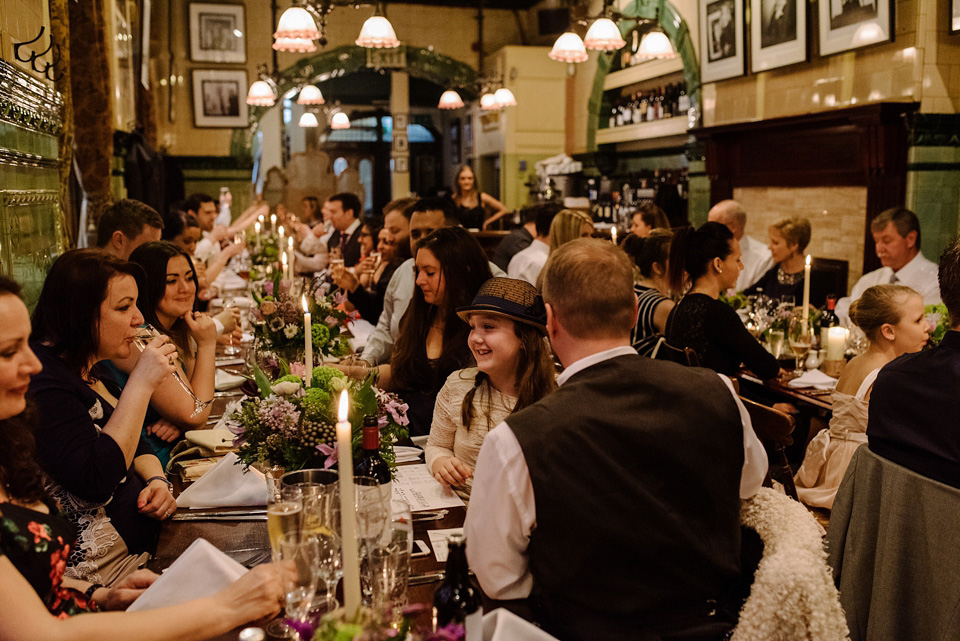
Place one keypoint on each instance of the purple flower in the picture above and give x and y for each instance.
(332, 454)
(452, 632)
(268, 288)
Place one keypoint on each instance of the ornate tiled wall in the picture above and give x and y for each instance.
(31, 234)
(933, 179)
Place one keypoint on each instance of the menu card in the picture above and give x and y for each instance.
(415, 485)
(438, 539)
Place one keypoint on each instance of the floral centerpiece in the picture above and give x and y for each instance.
(294, 426)
(940, 319)
(278, 320)
(368, 626)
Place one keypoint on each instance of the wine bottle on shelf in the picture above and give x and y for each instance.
(828, 319)
(683, 102)
(457, 600)
(370, 462)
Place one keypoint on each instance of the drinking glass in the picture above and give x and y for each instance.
(800, 336)
(230, 303)
(145, 334)
(380, 569)
(330, 562)
(775, 340)
(372, 508)
(304, 552)
(284, 514)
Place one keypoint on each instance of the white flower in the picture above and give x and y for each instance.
(290, 330)
(285, 388)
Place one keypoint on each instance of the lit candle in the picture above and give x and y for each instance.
(348, 515)
(613, 235)
(307, 340)
(260, 220)
(293, 271)
(283, 266)
(273, 222)
(282, 239)
(256, 229)
(806, 294)
(836, 343)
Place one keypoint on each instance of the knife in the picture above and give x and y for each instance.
(423, 579)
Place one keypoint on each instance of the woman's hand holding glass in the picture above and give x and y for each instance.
(258, 594)
(157, 361)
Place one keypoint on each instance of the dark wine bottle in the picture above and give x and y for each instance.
(457, 600)
(828, 319)
(370, 462)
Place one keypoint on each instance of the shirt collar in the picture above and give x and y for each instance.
(539, 244)
(352, 228)
(912, 267)
(593, 359)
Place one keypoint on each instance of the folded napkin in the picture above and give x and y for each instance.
(201, 571)
(226, 380)
(407, 454)
(814, 378)
(218, 441)
(226, 485)
(503, 625)
(361, 331)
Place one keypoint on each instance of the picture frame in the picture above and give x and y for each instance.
(721, 40)
(400, 142)
(954, 16)
(401, 164)
(778, 33)
(853, 24)
(400, 122)
(218, 33)
(219, 98)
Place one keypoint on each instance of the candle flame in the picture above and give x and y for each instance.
(808, 259)
(303, 303)
(290, 242)
(283, 259)
(256, 226)
(344, 407)
(280, 230)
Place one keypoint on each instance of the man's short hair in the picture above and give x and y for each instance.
(401, 205)
(904, 220)
(451, 218)
(949, 277)
(544, 216)
(128, 216)
(347, 201)
(570, 286)
(194, 201)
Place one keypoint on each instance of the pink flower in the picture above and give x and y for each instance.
(39, 531)
(331, 453)
(298, 369)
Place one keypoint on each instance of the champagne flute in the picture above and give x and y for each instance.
(230, 303)
(145, 334)
(330, 565)
(801, 340)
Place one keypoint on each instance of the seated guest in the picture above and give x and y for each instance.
(182, 229)
(167, 289)
(31, 569)
(426, 216)
(105, 477)
(789, 238)
(646, 218)
(614, 502)
(519, 238)
(368, 299)
(709, 259)
(208, 251)
(913, 407)
(514, 369)
(893, 319)
(754, 255)
(344, 213)
(432, 343)
(650, 255)
(126, 225)
(527, 263)
(310, 210)
(568, 225)
(896, 237)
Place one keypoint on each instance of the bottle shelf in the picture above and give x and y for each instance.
(654, 129)
(645, 71)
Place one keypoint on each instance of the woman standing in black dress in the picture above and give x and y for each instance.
(473, 204)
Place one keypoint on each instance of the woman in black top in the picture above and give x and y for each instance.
(432, 342)
(472, 204)
(709, 259)
(367, 299)
(789, 238)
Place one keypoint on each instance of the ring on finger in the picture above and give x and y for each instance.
(170, 360)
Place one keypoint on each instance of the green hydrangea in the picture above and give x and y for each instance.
(323, 375)
(321, 334)
(317, 403)
(289, 378)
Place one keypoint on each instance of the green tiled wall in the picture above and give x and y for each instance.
(933, 192)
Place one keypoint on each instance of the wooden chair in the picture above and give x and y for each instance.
(774, 429)
(664, 351)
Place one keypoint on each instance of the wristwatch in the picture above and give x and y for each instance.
(159, 477)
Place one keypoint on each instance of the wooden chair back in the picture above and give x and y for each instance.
(775, 430)
(664, 351)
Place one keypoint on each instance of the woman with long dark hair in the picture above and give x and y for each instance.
(508, 326)
(473, 204)
(167, 288)
(432, 342)
(708, 259)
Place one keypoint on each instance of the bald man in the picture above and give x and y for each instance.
(756, 257)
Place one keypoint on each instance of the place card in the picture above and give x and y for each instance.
(415, 485)
(438, 540)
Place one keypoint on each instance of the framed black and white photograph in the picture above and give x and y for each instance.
(721, 39)
(219, 98)
(954, 16)
(851, 24)
(778, 33)
(217, 33)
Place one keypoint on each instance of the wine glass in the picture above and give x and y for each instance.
(330, 562)
(800, 336)
(775, 340)
(304, 551)
(284, 518)
(145, 334)
(230, 303)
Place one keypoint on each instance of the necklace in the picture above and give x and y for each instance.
(788, 279)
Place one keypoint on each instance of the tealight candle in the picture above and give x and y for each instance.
(348, 516)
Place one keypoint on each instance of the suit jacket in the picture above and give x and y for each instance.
(913, 412)
(351, 252)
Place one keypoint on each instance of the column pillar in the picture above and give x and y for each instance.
(400, 153)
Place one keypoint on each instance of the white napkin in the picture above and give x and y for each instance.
(218, 441)
(226, 380)
(407, 454)
(814, 378)
(503, 625)
(361, 331)
(226, 485)
(201, 571)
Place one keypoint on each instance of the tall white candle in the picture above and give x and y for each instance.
(284, 266)
(613, 235)
(307, 341)
(256, 229)
(836, 343)
(348, 516)
(283, 240)
(291, 255)
(806, 294)
(273, 222)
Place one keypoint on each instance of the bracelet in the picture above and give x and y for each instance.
(88, 594)
(159, 477)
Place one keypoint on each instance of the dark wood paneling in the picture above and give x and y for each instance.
(857, 146)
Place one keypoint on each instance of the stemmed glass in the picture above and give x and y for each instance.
(330, 563)
(145, 334)
(800, 335)
(284, 520)
(304, 551)
(230, 303)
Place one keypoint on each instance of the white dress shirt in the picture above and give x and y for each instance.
(502, 512)
(527, 263)
(206, 249)
(919, 274)
(399, 292)
(756, 259)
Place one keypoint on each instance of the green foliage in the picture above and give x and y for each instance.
(943, 321)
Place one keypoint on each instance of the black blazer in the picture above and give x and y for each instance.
(351, 253)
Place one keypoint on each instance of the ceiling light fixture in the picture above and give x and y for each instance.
(309, 119)
(655, 44)
(340, 120)
(261, 94)
(377, 32)
(505, 98)
(604, 35)
(310, 95)
(450, 99)
(568, 48)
